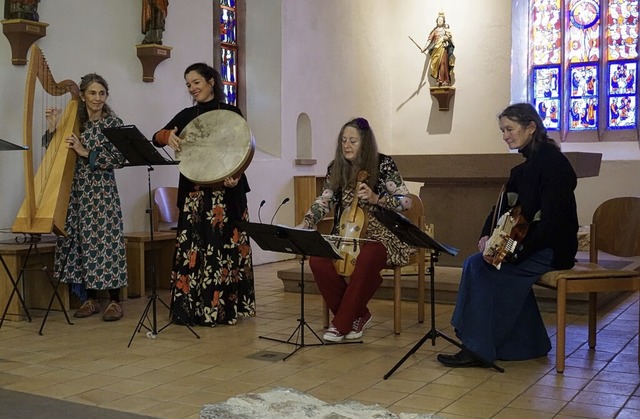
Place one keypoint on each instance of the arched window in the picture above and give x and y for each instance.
(583, 64)
(228, 46)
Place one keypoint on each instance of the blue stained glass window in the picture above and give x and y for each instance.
(228, 53)
(622, 90)
(228, 68)
(584, 96)
(547, 95)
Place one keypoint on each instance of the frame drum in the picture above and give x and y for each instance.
(215, 145)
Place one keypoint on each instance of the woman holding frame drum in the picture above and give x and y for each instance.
(213, 272)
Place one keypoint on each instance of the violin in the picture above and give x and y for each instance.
(352, 225)
(511, 230)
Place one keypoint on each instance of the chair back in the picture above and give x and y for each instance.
(165, 207)
(616, 227)
(416, 212)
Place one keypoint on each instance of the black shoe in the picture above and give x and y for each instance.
(462, 359)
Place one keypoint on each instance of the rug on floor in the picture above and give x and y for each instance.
(286, 403)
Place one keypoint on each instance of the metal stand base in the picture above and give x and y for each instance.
(152, 329)
(434, 333)
(299, 331)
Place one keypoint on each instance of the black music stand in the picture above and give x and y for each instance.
(412, 235)
(7, 146)
(300, 242)
(138, 151)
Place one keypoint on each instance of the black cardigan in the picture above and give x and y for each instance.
(545, 182)
(236, 197)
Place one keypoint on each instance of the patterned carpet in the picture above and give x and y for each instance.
(286, 403)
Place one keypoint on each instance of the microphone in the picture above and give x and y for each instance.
(278, 209)
(259, 208)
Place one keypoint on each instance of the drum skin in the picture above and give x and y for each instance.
(215, 145)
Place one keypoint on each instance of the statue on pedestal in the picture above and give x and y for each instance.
(21, 9)
(440, 48)
(154, 14)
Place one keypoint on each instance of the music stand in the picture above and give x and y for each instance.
(138, 151)
(7, 146)
(277, 238)
(412, 235)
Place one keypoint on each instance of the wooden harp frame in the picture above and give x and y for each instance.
(44, 209)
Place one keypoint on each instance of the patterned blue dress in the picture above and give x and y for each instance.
(93, 253)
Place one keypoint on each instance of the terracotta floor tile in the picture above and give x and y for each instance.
(175, 374)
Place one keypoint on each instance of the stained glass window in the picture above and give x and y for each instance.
(583, 63)
(229, 49)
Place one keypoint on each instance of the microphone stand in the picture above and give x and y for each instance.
(284, 201)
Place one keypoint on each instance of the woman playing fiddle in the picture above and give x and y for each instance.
(496, 314)
(357, 151)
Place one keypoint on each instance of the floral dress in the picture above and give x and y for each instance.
(213, 270)
(93, 252)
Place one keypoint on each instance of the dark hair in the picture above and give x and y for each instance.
(209, 73)
(524, 114)
(343, 172)
(85, 81)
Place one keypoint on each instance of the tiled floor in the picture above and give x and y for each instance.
(173, 375)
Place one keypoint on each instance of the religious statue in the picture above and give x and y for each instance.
(21, 9)
(440, 48)
(154, 14)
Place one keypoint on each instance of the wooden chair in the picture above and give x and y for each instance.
(165, 208)
(418, 257)
(615, 230)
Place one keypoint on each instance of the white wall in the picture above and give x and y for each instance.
(331, 59)
(100, 37)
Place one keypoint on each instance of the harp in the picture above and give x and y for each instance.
(44, 208)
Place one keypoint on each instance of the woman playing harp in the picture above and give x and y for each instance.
(92, 255)
(356, 150)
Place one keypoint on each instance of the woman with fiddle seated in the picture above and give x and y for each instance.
(496, 315)
(359, 180)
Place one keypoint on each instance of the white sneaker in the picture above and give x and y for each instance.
(333, 335)
(358, 327)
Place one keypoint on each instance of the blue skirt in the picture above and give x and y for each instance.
(496, 314)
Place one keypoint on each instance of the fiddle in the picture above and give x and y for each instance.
(511, 230)
(352, 225)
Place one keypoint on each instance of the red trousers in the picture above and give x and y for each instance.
(348, 300)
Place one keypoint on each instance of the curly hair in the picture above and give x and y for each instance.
(209, 73)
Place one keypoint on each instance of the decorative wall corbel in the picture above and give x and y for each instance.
(443, 95)
(150, 56)
(22, 34)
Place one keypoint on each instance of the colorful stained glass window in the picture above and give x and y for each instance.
(547, 95)
(229, 49)
(546, 31)
(584, 54)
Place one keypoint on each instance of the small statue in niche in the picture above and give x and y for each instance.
(154, 14)
(21, 9)
(440, 48)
